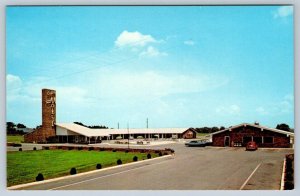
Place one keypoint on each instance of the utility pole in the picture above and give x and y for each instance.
(128, 134)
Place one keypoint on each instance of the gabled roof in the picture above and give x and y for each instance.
(257, 126)
(106, 132)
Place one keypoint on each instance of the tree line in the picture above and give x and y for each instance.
(93, 126)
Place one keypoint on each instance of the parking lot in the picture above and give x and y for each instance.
(192, 168)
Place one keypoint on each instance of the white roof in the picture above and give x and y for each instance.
(258, 126)
(82, 130)
(105, 132)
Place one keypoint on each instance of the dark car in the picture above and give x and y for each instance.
(198, 143)
(251, 146)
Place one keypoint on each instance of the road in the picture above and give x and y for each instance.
(197, 168)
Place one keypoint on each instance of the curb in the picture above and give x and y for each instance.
(84, 173)
(283, 175)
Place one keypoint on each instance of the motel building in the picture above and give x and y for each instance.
(240, 135)
(51, 131)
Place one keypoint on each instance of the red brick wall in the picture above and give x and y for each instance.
(189, 134)
(237, 134)
(48, 119)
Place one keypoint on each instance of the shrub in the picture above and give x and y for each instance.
(80, 148)
(17, 145)
(34, 148)
(160, 154)
(114, 150)
(20, 149)
(126, 151)
(39, 177)
(98, 166)
(101, 149)
(148, 156)
(70, 148)
(142, 151)
(59, 147)
(119, 162)
(135, 158)
(73, 171)
(165, 153)
(91, 148)
(46, 147)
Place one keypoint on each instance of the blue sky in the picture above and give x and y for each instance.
(189, 66)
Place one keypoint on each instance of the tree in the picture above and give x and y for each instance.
(222, 128)
(283, 127)
(215, 129)
(19, 125)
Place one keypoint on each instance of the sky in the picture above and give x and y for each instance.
(178, 66)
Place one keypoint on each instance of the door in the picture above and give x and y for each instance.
(226, 141)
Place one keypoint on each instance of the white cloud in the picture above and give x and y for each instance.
(150, 84)
(261, 110)
(232, 109)
(283, 11)
(133, 39)
(152, 52)
(13, 81)
(189, 42)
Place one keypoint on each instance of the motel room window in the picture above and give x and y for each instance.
(268, 140)
(257, 140)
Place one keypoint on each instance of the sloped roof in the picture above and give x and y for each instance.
(81, 129)
(257, 126)
(105, 132)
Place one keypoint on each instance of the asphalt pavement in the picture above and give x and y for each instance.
(192, 168)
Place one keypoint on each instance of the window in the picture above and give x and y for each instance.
(268, 140)
(257, 140)
(247, 139)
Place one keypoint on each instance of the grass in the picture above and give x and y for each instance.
(15, 138)
(201, 135)
(23, 167)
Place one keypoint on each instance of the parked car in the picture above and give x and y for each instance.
(198, 143)
(251, 146)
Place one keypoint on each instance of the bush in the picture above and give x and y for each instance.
(34, 148)
(79, 148)
(165, 153)
(91, 148)
(101, 149)
(59, 147)
(114, 150)
(17, 145)
(98, 166)
(119, 162)
(148, 156)
(126, 151)
(20, 149)
(70, 148)
(47, 148)
(135, 158)
(160, 154)
(73, 171)
(39, 177)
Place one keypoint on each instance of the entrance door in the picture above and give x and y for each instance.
(226, 141)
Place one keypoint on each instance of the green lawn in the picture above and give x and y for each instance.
(201, 135)
(24, 166)
(15, 138)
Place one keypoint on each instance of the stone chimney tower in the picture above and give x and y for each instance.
(48, 112)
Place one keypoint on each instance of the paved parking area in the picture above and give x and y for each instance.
(196, 168)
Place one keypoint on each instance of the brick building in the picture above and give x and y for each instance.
(241, 134)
